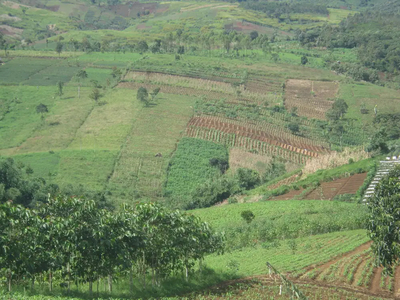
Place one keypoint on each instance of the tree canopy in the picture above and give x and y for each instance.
(384, 220)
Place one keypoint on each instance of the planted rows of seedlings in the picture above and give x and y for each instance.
(247, 143)
(356, 269)
(261, 131)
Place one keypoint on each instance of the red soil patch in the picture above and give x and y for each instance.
(267, 135)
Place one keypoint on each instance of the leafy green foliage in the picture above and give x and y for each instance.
(190, 167)
(383, 221)
(247, 215)
(75, 237)
(143, 95)
(247, 178)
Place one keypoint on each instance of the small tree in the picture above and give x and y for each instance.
(42, 109)
(95, 94)
(116, 73)
(59, 48)
(80, 75)
(60, 86)
(253, 35)
(294, 127)
(304, 60)
(384, 219)
(154, 93)
(247, 215)
(143, 95)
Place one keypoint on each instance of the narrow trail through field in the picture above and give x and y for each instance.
(376, 280)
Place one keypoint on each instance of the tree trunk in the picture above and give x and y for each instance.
(9, 281)
(50, 281)
(98, 283)
(201, 265)
(69, 277)
(79, 91)
(90, 288)
(186, 273)
(33, 283)
(110, 283)
(131, 280)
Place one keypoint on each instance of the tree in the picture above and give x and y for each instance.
(95, 94)
(247, 178)
(59, 48)
(247, 215)
(42, 109)
(339, 108)
(384, 220)
(80, 75)
(3, 43)
(142, 46)
(154, 93)
(116, 73)
(60, 86)
(143, 95)
(304, 60)
(253, 35)
(294, 127)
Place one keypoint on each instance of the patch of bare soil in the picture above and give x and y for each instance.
(9, 30)
(311, 98)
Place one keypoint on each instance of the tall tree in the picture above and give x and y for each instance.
(59, 48)
(384, 220)
(81, 75)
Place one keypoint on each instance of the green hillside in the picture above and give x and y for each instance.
(265, 119)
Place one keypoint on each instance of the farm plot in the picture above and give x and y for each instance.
(20, 69)
(311, 98)
(328, 190)
(156, 129)
(212, 88)
(247, 143)
(185, 91)
(260, 131)
(59, 71)
(355, 269)
(59, 126)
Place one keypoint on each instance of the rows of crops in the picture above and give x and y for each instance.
(262, 131)
(355, 269)
(247, 143)
(310, 97)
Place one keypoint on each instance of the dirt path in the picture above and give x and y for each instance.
(376, 280)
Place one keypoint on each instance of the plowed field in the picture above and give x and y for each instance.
(312, 98)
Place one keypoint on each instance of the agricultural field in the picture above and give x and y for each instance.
(231, 111)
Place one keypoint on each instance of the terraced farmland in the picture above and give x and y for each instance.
(312, 98)
(261, 137)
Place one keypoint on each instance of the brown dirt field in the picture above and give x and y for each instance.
(376, 280)
(8, 30)
(328, 190)
(265, 134)
(310, 97)
(239, 158)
